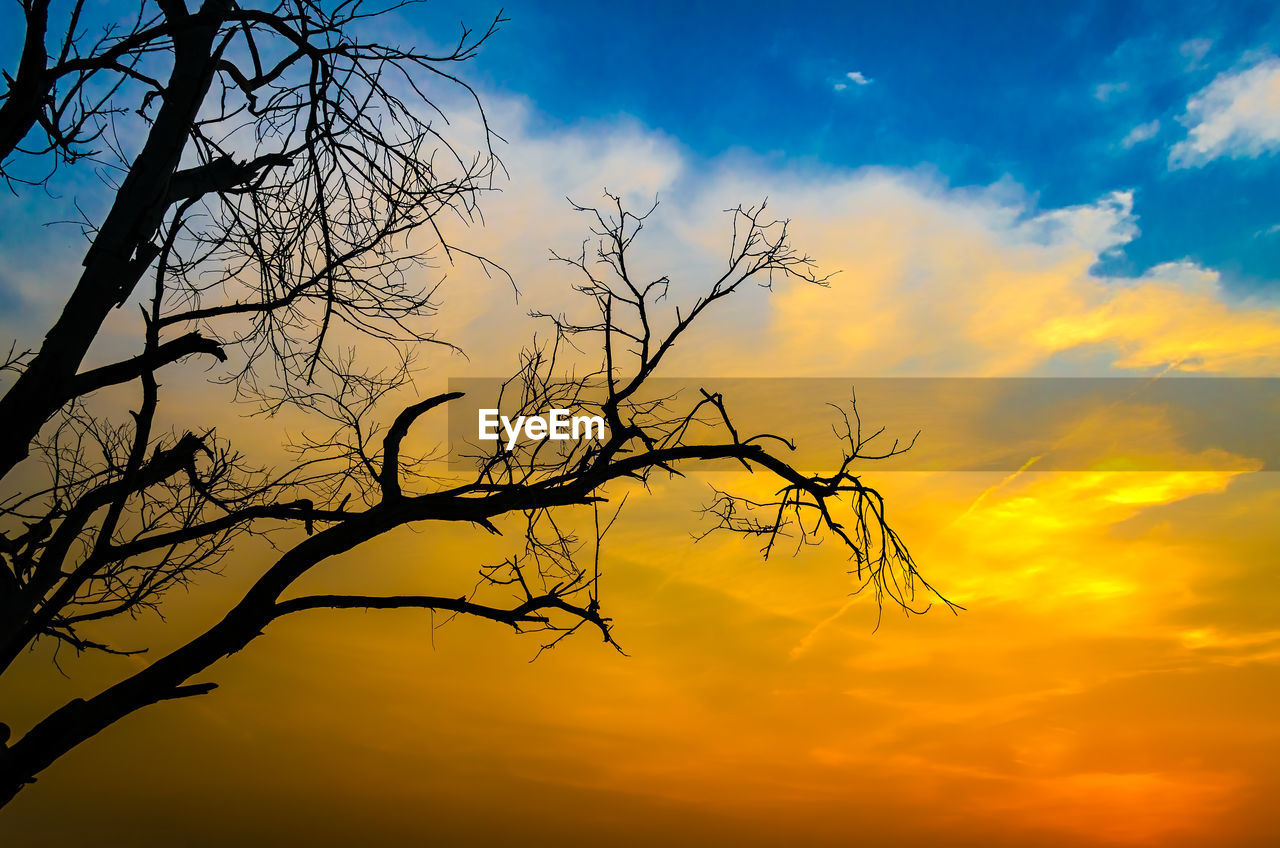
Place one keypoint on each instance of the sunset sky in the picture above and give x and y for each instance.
(1085, 189)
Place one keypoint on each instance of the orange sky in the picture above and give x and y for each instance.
(1109, 685)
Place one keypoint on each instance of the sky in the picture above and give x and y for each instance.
(1007, 190)
(1069, 100)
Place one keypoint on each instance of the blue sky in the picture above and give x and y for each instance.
(1042, 93)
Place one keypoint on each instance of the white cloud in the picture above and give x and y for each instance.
(1140, 133)
(934, 280)
(1236, 115)
(856, 77)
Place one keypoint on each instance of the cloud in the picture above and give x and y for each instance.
(1140, 133)
(1174, 315)
(939, 281)
(934, 280)
(1107, 90)
(856, 77)
(1194, 51)
(1236, 115)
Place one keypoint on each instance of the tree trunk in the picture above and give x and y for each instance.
(122, 250)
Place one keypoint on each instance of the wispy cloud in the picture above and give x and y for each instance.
(1236, 115)
(1194, 51)
(857, 78)
(1108, 90)
(1140, 133)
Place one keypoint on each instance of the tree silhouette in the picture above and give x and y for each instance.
(268, 167)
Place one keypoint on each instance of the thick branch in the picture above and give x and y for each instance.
(221, 175)
(389, 478)
(458, 605)
(144, 363)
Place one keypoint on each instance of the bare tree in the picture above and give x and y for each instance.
(268, 196)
